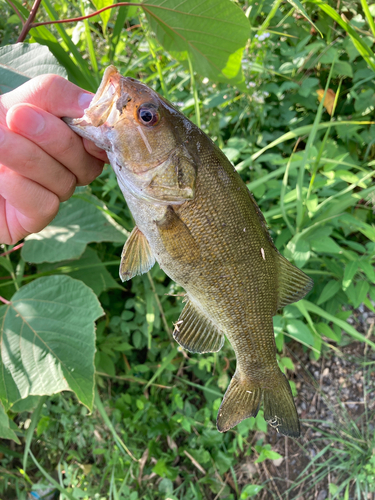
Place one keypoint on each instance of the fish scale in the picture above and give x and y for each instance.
(197, 219)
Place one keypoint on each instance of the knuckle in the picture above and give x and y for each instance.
(48, 81)
(50, 207)
(93, 169)
(68, 188)
(65, 147)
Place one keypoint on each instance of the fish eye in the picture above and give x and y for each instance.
(148, 114)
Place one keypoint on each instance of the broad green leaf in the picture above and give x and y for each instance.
(349, 273)
(357, 225)
(297, 4)
(325, 245)
(81, 220)
(299, 331)
(368, 269)
(212, 32)
(6, 264)
(299, 251)
(357, 293)
(47, 340)
(22, 61)
(288, 363)
(89, 269)
(327, 331)
(331, 288)
(5, 431)
(251, 490)
(362, 288)
(343, 68)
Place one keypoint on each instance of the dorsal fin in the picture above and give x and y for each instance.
(136, 257)
(293, 284)
(195, 332)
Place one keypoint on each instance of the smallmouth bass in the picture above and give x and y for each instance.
(197, 219)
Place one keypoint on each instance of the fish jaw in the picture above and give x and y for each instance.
(151, 162)
(101, 114)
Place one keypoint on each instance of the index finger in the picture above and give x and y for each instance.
(52, 93)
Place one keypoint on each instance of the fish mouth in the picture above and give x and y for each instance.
(104, 111)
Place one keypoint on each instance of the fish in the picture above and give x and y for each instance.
(195, 217)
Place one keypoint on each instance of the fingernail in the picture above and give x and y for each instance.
(84, 100)
(32, 123)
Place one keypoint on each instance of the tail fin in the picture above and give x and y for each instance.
(243, 398)
(279, 408)
(241, 401)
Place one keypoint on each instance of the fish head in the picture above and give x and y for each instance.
(144, 137)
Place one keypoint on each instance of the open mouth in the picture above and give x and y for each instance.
(105, 110)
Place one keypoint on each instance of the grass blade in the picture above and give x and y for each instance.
(306, 129)
(359, 44)
(309, 306)
(162, 367)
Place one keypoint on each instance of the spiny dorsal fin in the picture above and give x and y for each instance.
(136, 257)
(177, 238)
(293, 284)
(195, 332)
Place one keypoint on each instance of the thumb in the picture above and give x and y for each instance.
(53, 93)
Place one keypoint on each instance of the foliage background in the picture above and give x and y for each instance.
(152, 433)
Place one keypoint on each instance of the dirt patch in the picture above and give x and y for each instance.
(332, 391)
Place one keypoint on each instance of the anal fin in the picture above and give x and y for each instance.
(136, 257)
(196, 333)
(293, 284)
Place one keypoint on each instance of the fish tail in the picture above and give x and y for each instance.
(242, 400)
(279, 408)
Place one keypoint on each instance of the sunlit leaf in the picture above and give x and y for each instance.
(22, 61)
(81, 220)
(47, 340)
(213, 32)
(5, 431)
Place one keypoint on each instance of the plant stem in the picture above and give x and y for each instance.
(4, 301)
(90, 45)
(122, 446)
(17, 247)
(27, 25)
(18, 13)
(158, 67)
(81, 18)
(195, 94)
(161, 310)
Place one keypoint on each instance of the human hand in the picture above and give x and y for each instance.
(41, 159)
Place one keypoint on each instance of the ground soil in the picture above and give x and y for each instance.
(341, 384)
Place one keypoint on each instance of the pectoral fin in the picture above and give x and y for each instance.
(177, 238)
(293, 284)
(136, 257)
(196, 333)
